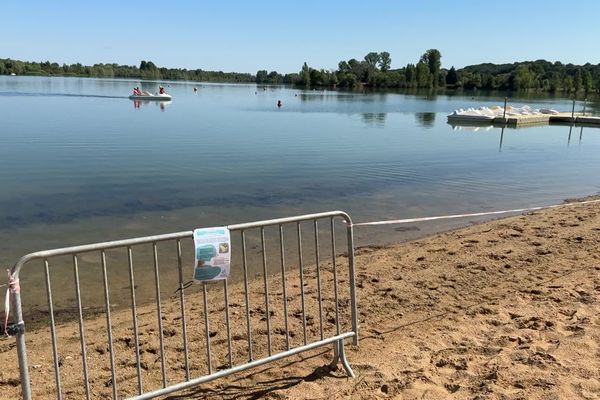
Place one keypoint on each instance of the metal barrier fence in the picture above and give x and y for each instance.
(334, 335)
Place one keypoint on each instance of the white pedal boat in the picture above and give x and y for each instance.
(150, 96)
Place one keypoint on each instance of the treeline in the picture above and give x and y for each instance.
(540, 75)
(146, 70)
(273, 77)
(374, 72)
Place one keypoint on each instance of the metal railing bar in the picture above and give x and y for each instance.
(266, 282)
(136, 338)
(287, 220)
(243, 367)
(247, 296)
(353, 299)
(335, 279)
(105, 245)
(109, 325)
(159, 316)
(207, 329)
(283, 281)
(182, 304)
(164, 237)
(227, 322)
(301, 266)
(318, 267)
(53, 332)
(86, 381)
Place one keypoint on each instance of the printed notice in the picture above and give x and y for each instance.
(213, 254)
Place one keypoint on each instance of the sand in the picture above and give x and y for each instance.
(506, 309)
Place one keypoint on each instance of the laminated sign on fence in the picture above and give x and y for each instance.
(213, 253)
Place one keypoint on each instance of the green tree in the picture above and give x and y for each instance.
(555, 82)
(385, 61)
(148, 70)
(522, 78)
(343, 67)
(290, 78)
(587, 80)
(578, 80)
(423, 76)
(433, 59)
(317, 77)
(411, 75)
(305, 75)
(358, 68)
(372, 59)
(452, 77)
(261, 76)
(274, 77)
(568, 84)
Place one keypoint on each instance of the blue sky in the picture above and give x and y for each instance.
(280, 35)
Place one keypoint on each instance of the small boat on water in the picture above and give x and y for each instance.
(150, 96)
(482, 114)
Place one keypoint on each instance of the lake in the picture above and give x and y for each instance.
(80, 162)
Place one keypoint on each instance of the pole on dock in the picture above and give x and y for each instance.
(584, 104)
(504, 113)
(573, 112)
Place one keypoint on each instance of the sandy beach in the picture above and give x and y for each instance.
(506, 309)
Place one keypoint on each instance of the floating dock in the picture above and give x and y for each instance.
(521, 116)
(537, 119)
(587, 121)
(531, 119)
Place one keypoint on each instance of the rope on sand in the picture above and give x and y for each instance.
(479, 214)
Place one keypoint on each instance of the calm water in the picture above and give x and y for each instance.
(79, 162)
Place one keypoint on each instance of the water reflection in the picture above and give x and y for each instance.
(161, 104)
(580, 135)
(425, 119)
(377, 119)
(474, 127)
(470, 126)
(340, 96)
(53, 94)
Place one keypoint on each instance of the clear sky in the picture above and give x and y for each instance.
(247, 35)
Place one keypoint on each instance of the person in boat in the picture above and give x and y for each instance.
(161, 90)
(136, 91)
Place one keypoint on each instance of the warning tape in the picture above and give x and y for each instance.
(479, 214)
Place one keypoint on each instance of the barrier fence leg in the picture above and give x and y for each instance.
(21, 350)
(336, 357)
(343, 359)
(339, 355)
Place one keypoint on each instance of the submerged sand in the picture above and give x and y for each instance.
(506, 309)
